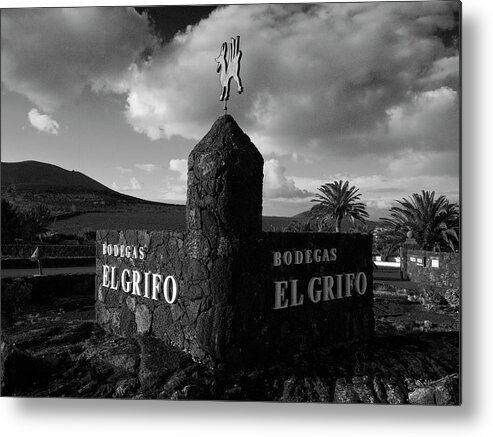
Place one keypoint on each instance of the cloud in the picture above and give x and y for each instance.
(327, 85)
(179, 166)
(277, 185)
(323, 78)
(427, 120)
(174, 192)
(43, 122)
(123, 169)
(176, 185)
(134, 185)
(149, 168)
(50, 55)
(421, 163)
(380, 192)
(443, 72)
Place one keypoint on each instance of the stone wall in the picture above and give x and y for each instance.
(238, 324)
(315, 323)
(233, 304)
(421, 268)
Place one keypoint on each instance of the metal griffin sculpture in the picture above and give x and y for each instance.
(228, 67)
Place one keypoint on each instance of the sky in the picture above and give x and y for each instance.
(365, 92)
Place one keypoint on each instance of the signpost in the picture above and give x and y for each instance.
(36, 256)
(225, 291)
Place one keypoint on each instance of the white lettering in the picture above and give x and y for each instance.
(106, 275)
(114, 280)
(320, 289)
(136, 278)
(147, 276)
(147, 283)
(311, 291)
(280, 288)
(307, 256)
(327, 284)
(123, 251)
(339, 286)
(298, 256)
(156, 283)
(277, 259)
(174, 289)
(294, 294)
(287, 258)
(126, 283)
(360, 283)
(349, 283)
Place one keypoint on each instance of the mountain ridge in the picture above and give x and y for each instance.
(26, 183)
(68, 192)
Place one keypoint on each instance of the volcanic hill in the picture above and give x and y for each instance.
(80, 203)
(29, 183)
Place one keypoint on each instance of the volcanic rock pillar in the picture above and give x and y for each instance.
(224, 219)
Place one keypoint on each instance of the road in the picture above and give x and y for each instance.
(386, 275)
(18, 273)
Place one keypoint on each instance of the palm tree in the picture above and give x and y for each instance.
(433, 222)
(337, 200)
(299, 226)
(37, 222)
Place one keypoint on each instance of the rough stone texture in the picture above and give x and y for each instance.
(224, 220)
(441, 392)
(223, 310)
(19, 369)
(158, 361)
(50, 353)
(298, 329)
(307, 389)
(44, 289)
(447, 275)
(224, 268)
(225, 174)
(345, 393)
(142, 318)
(123, 313)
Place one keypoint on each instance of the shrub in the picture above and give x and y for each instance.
(452, 297)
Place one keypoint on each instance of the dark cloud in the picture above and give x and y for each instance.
(320, 80)
(50, 55)
(168, 20)
(341, 78)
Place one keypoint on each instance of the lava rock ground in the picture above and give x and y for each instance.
(59, 351)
